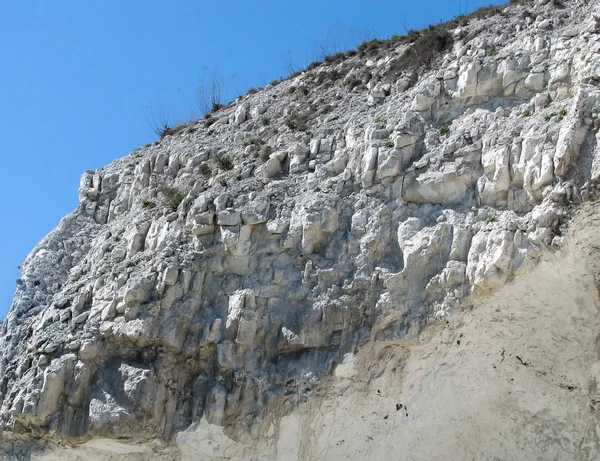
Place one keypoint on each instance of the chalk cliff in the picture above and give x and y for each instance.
(370, 258)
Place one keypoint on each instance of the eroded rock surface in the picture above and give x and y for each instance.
(224, 271)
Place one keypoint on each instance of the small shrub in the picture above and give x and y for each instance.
(334, 74)
(117, 238)
(303, 90)
(444, 130)
(275, 82)
(265, 121)
(191, 130)
(492, 52)
(380, 120)
(462, 20)
(170, 130)
(413, 35)
(490, 219)
(224, 162)
(370, 46)
(175, 197)
(334, 58)
(486, 12)
(562, 113)
(205, 169)
(548, 117)
(216, 106)
(296, 123)
(146, 203)
(527, 113)
(138, 155)
(422, 51)
(265, 153)
(353, 83)
(210, 120)
(176, 201)
(253, 142)
(577, 50)
(389, 143)
(239, 177)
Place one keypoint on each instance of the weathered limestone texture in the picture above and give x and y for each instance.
(219, 276)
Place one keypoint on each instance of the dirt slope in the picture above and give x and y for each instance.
(515, 378)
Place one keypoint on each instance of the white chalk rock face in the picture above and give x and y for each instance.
(446, 185)
(215, 278)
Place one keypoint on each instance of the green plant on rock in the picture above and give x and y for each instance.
(548, 117)
(138, 155)
(380, 120)
(491, 219)
(388, 143)
(370, 46)
(224, 162)
(253, 142)
(168, 130)
(265, 121)
(175, 197)
(562, 113)
(527, 113)
(334, 74)
(147, 203)
(296, 122)
(205, 170)
(492, 52)
(462, 20)
(334, 58)
(444, 130)
(265, 153)
(413, 35)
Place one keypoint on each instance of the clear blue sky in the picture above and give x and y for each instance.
(80, 78)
